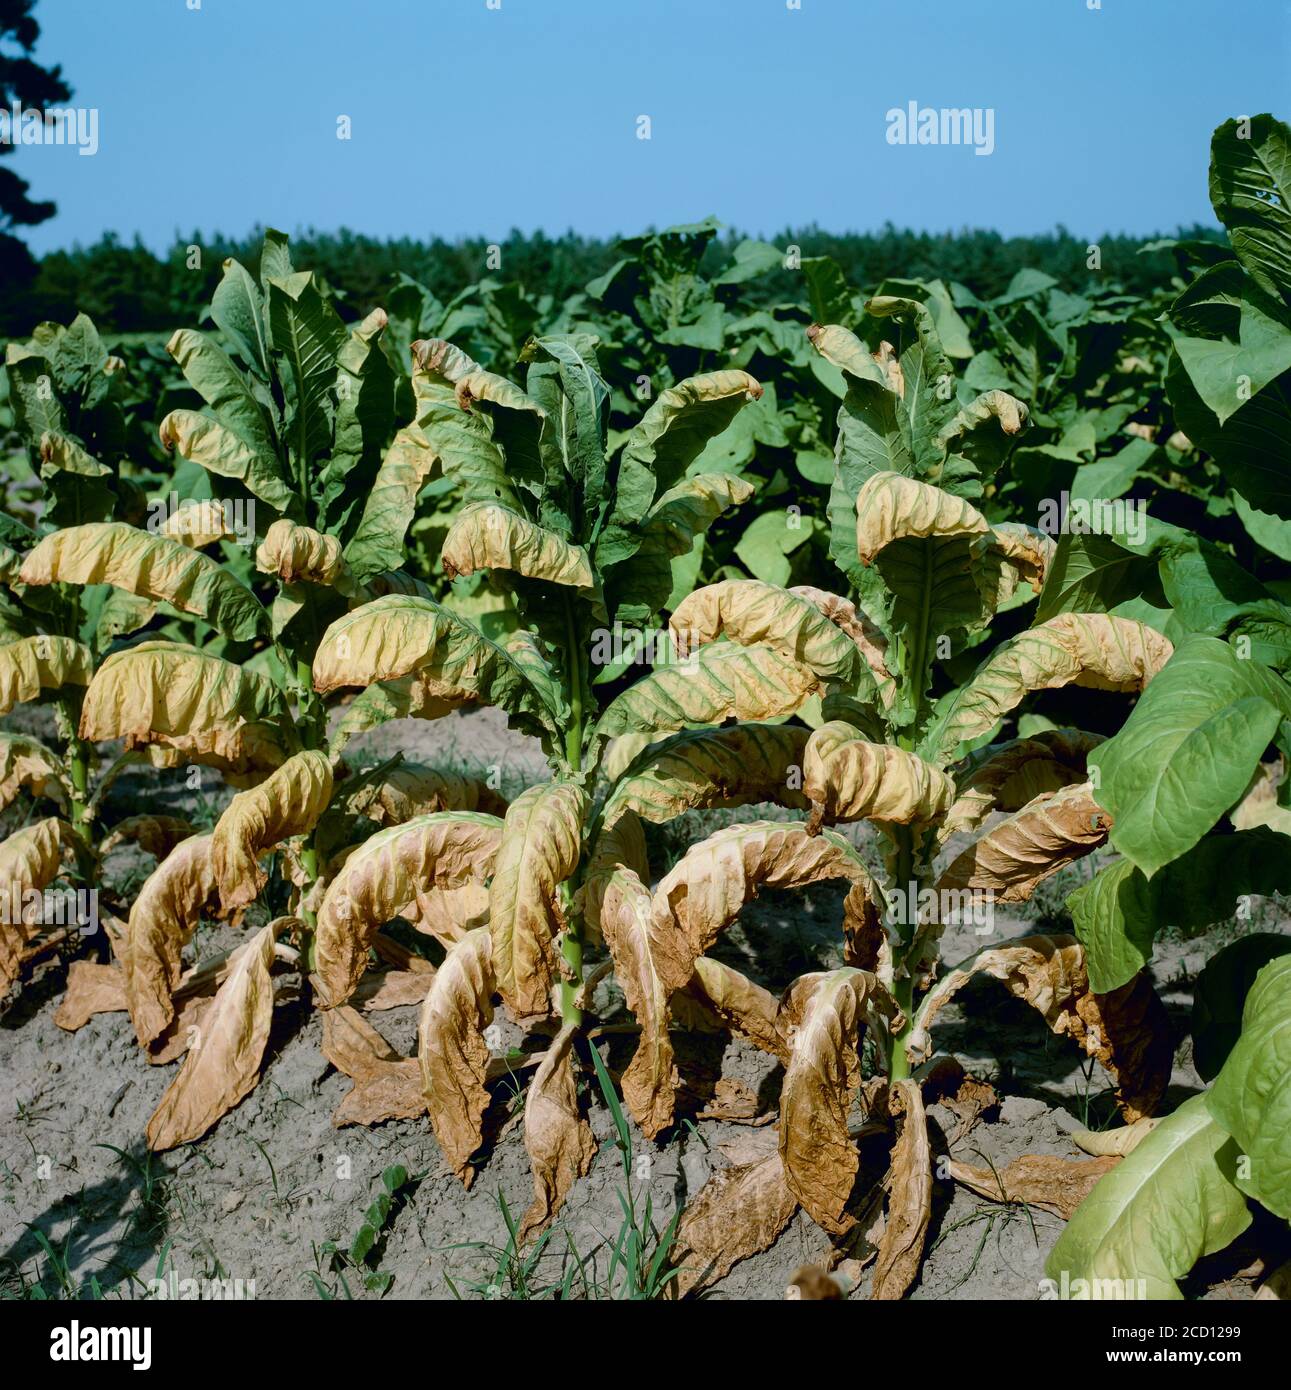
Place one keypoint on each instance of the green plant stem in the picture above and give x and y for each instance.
(571, 941)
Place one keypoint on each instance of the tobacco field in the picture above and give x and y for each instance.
(726, 783)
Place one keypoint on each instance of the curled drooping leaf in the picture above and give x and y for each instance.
(744, 1007)
(644, 963)
(707, 888)
(870, 642)
(557, 1138)
(720, 681)
(1006, 776)
(824, 1072)
(892, 507)
(219, 450)
(1096, 650)
(710, 768)
(847, 778)
(152, 566)
(223, 1064)
(1127, 1031)
(289, 802)
(295, 553)
(155, 835)
(30, 860)
(451, 1049)
(162, 922)
(909, 1185)
(195, 707)
(452, 661)
(750, 612)
(1052, 830)
(384, 876)
(29, 665)
(540, 848)
(198, 524)
(491, 537)
(26, 764)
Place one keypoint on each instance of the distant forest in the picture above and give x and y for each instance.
(126, 288)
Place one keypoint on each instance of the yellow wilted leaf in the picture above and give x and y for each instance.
(198, 707)
(740, 1211)
(1095, 650)
(162, 921)
(451, 1049)
(491, 537)
(29, 665)
(26, 762)
(223, 1065)
(287, 803)
(1048, 1181)
(720, 681)
(30, 860)
(849, 778)
(295, 553)
(750, 612)
(909, 1187)
(870, 642)
(152, 566)
(557, 1138)
(644, 964)
(712, 768)
(540, 849)
(706, 889)
(891, 507)
(1114, 1142)
(824, 1072)
(845, 350)
(1050, 831)
(198, 524)
(384, 875)
(1008, 775)
(621, 845)
(91, 989)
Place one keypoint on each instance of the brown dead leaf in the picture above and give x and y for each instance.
(745, 1008)
(739, 1212)
(223, 1065)
(1047, 1181)
(643, 952)
(736, 1103)
(451, 1049)
(155, 835)
(392, 989)
(387, 1085)
(823, 1075)
(909, 1187)
(557, 1138)
(162, 921)
(91, 989)
(810, 1283)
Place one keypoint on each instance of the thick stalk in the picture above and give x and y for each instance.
(78, 765)
(571, 940)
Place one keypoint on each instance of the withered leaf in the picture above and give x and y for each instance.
(1047, 1181)
(91, 989)
(557, 1138)
(909, 1198)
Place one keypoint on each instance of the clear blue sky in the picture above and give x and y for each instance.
(467, 119)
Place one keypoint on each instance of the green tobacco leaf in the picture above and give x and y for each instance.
(1150, 1219)
(212, 374)
(364, 420)
(1188, 750)
(219, 449)
(565, 381)
(1265, 529)
(1118, 914)
(1093, 574)
(237, 308)
(1251, 1097)
(309, 335)
(1220, 997)
(1250, 188)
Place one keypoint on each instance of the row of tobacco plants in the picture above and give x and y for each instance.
(850, 555)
